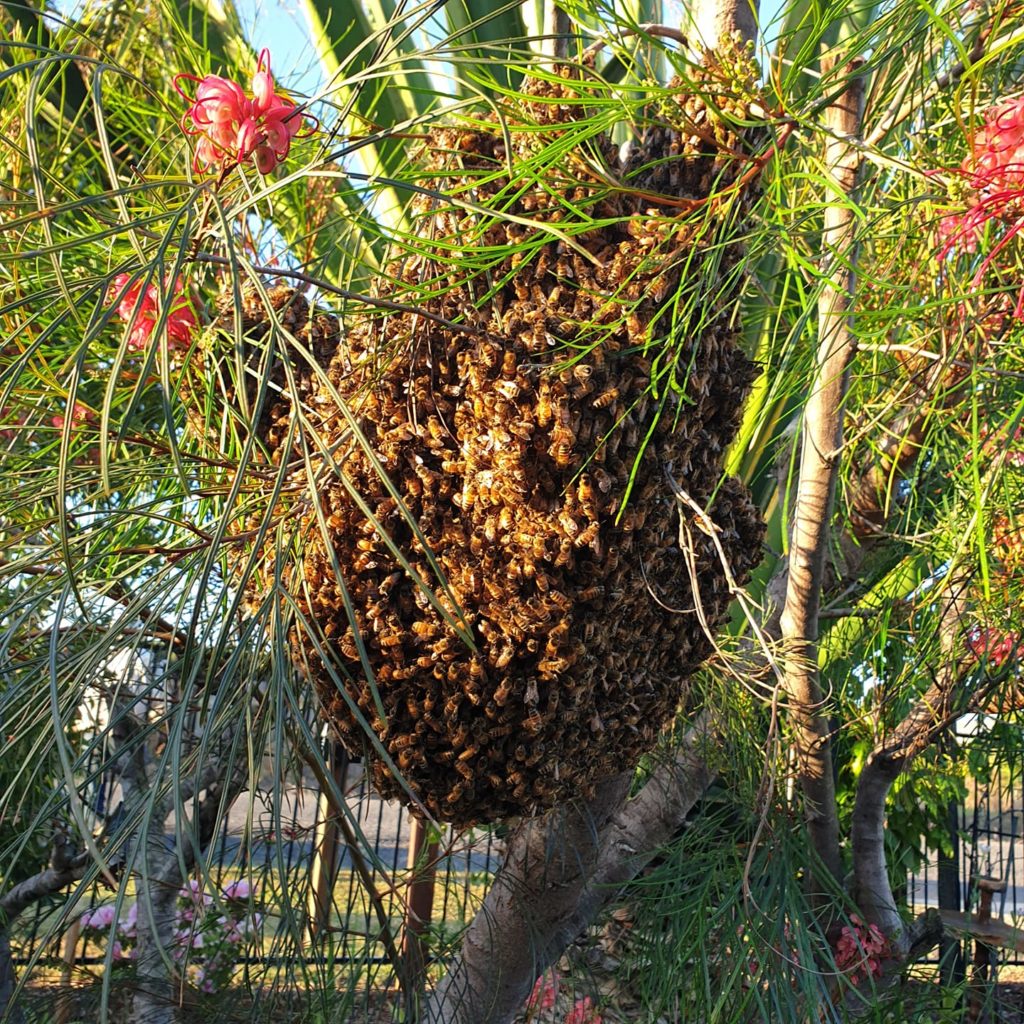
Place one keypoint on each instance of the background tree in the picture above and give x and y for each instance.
(880, 299)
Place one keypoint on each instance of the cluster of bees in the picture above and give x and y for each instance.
(511, 447)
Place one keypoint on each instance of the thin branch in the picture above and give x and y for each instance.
(64, 868)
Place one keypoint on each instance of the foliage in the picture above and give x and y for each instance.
(124, 541)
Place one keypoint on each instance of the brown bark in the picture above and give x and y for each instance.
(821, 444)
(715, 19)
(559, 871)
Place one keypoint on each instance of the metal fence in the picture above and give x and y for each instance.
(430, 885)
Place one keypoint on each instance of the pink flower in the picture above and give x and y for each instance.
(545, 992)
(583, 1012)
(9, 422)
(232, 127)
(127, 925)
(994, 645)
(860, 950)
(994, 172)
(80, 416)
(240, 890)
(142, 314)
(102, 917)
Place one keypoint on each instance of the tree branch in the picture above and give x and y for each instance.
(65, 867)
(930, 716)
(559, 871)
(822, 442)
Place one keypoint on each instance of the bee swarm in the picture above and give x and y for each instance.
(511, 440)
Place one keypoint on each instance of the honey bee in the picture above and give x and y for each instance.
(588, 535)
(545, 412)
(603, 480)
(585, 489)
(557, 635)
(522, 429)
(561, 453)
(486, 355)
(476, 546)
(592, 593)
(507, 389)
(335, 521)
(503, 692)
(508, 363)
(504, 656)
(491, 529)
(569, 524)
(606, 398)
(363, 562)
(425, 629)
(532, 724)
(364, 544)
(453, 465)
(456, 792)
(526, 569)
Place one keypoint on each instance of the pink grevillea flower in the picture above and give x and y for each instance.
(143, 314)
(994, 171)
(80, 416)
(994, 645)
(583, 1012)
(860, 950)
(232, 127)
(545, 992)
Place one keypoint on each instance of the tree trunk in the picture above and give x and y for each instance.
(10, 1012)
(819, 468)
(155, 999)
(559, 871)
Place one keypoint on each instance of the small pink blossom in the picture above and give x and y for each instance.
(994, 173)
(860, 950)
(80, 416)
(994, 645)
(583, 1012)
(545, 992)
(240, 890)
(231, 127)
(9, 422)
(102, 917)
(142, 315)
(128, 924)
